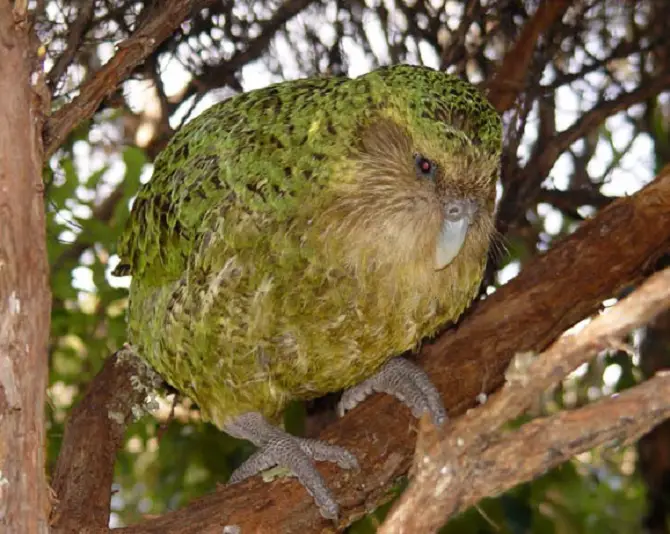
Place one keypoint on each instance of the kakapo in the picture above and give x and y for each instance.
(295, 240)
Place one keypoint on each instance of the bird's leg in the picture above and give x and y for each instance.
(277, 447)
(404, 380)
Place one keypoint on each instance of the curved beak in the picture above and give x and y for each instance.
(458, 215)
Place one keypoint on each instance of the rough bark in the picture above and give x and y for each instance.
(83, 476)
(476, 458)
(24, 291)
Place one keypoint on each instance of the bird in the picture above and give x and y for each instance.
(299, 239)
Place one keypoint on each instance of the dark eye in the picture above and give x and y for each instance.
(425, 168)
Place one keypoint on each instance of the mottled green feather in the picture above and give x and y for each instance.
(247, 291)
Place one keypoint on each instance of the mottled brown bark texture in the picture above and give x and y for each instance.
(477, 458)
(24, 291)
(84, 472)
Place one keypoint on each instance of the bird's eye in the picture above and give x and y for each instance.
(425, 168)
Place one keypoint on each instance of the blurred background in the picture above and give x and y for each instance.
(591, 123)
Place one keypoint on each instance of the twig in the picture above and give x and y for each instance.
(574, 198)
(509, 79)
(130, 53)
(526, 185)
(598, 113)
(222, 74)
(77, 30)
(455, 49)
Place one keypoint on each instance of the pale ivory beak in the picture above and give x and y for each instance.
(458, 216)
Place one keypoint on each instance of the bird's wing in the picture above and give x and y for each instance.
(255, 151)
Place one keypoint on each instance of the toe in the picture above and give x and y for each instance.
(322, 451)
(256, 463)
(353, 396)
(407, 382)
(289, 451)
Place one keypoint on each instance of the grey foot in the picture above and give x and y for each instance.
(276, 447)
(404, 380)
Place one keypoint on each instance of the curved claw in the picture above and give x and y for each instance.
(405, 381)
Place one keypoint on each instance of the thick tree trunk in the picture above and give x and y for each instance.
(24, 291)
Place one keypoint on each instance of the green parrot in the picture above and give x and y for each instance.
(297, 239)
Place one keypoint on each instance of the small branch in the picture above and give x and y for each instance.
(473, 441)
(622, 50)
(456, 477)
(83, 476)
(157, 27)
(526, 185)
(598, 113)
(455, 49)
(574, 198)
(77, 30)
(570, 352)
(509, 80)
(214, 76)
(102, 213)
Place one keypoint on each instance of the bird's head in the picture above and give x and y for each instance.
(419, 189)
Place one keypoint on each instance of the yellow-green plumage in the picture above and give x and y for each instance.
(284, 246)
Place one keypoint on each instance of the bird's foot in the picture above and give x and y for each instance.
(404, 380)
(277, 447)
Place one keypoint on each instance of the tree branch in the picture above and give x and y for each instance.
(510, 77)
(553, 292)
(593, 118)
(214, 76)
(83, 476)
(157, 27)
(76, 34)
(466, 478)
(526, 185)
(454, 51)
(454, 464)
(653, 460)
(572, 199)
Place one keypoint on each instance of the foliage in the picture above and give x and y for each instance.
(568, 150)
